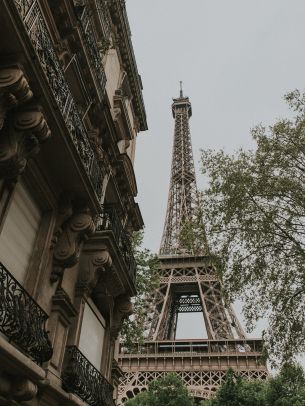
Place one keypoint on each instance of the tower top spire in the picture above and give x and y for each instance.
(182, 198)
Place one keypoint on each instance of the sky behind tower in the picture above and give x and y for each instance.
(236, 59)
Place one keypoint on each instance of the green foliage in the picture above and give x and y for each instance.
(238, 392)
(286, 389)
(147, 280)
(167, 391)
(255, 222)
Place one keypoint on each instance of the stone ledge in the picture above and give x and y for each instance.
(13, 360)
(18, 364)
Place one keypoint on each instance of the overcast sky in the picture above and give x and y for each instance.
(236, 58)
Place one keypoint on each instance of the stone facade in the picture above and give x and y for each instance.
(71, 107)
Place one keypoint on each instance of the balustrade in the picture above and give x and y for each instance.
(92, 46)
(22, 320)
(104, 18)
(109, 220)
(197, 347)
(33, 20)
(84, 380)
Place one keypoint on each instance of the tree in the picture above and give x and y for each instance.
(238, 392)
(147, 280)
(255, 223)
(166, 391)
(287, 388)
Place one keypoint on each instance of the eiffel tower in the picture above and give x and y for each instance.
(188, 284)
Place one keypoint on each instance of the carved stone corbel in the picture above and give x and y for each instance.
(65, 211)
(92, 265)
(122, 309)
(24, 390)
(17, 388)
(14, 90)
(117, 112)
(66, 252)
(19, 140)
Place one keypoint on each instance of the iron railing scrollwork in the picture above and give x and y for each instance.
(22, 320)
(84, 380)
(126, 248)
(104, 17)
(92, 46)
(108, 219)
(33, 20)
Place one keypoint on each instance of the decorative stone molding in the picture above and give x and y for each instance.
(121, 117)
(122, 309)
(24, 389)
(66, 252)
(92, 265)
(63, 305)
(14, 90)
(19, 140)
(17, 388)
(120, 28)
(65, 211)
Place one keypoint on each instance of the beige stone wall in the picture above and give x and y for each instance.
(113, 73)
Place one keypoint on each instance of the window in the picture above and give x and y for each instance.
(92, 335)
(19, 232)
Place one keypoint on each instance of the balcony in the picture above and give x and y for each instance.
(22, 320)
(92, 47)
(109, 221)
(84, 380)
(34, 23)
(104, 19)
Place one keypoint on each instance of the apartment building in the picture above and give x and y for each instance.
(71, 107)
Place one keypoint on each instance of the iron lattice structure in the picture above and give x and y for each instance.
(183, 193)
(188, 283)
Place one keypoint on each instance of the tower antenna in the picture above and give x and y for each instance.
(181, 91)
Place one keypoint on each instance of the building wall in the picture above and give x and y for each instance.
(69, 118)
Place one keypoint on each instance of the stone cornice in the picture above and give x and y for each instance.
(118, 14)
(136, 217)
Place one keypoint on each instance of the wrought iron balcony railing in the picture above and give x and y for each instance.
(84, 380)
(92, 46)
(129, 259)
(22, 320)
(104, 17)
(33, 20)
(109, 220)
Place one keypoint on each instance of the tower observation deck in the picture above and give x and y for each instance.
(188, 284)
